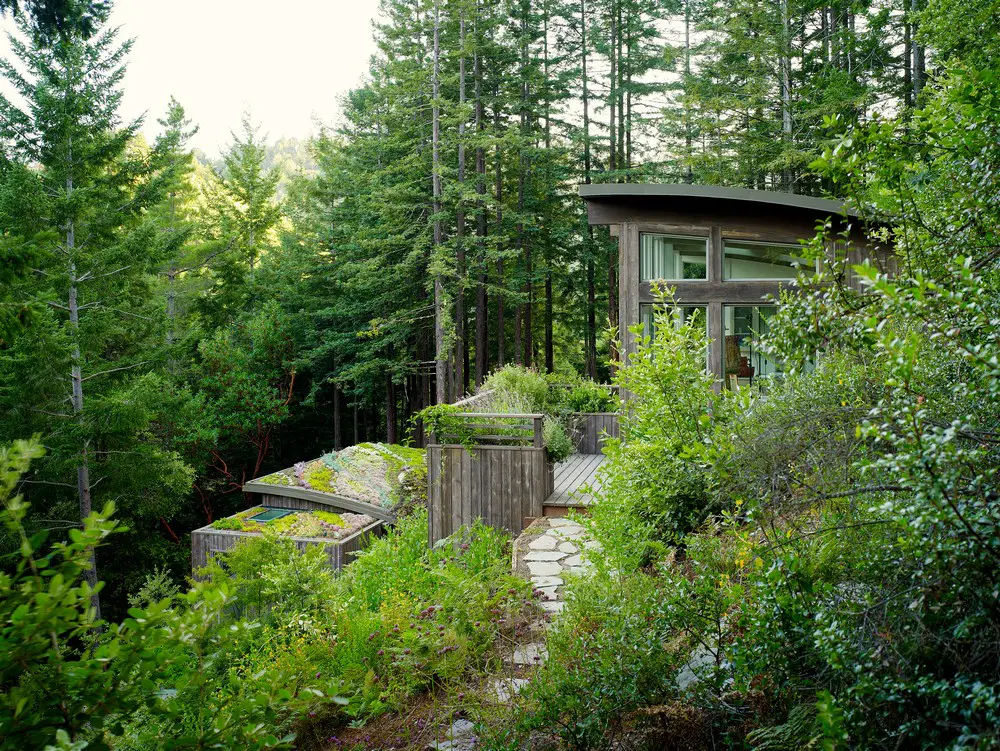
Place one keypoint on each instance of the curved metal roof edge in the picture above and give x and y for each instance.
(712, 192)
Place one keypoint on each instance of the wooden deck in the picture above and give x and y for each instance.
(572, 474)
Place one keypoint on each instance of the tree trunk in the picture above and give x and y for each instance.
(501, 332)
(482, 306)
(76, 382)
(786, 93)
(907, 63)
(440, 356)
(622, 64)
(591, 337)
(613, 93)
(337, 441)
(390, 410)
(591, 313)
(460, 354)
(688, 138)
(171, 300)
(919, 64)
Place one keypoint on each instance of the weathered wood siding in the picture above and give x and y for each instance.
(286, 496)
(206, 542)
(502, 485)
(589, 429)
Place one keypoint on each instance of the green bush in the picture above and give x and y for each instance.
(588, 396)
(558, 445)
(607, 657)
(518, 389)
(656, 484)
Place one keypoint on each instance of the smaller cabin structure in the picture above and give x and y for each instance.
(341, 535)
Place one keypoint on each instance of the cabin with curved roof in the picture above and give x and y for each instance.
(726, 252)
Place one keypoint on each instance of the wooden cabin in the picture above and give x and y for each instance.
(726, 251)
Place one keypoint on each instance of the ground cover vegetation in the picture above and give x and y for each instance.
(269, 646)
(815, 568)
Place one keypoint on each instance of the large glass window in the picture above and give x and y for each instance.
(743, 360)
(672, 258)
(743, 260)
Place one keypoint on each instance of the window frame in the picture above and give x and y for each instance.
(676, 236)
(749, 244)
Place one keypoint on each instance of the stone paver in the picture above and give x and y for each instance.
(543, 542)
(459, 737)
(544, 555)
(548, 593)
(561, 521)
(506, 689)
(565, 547)
(547, 581)
(544, 568)
(529, 654)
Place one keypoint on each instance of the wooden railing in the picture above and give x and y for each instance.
(495, 429)
(492, 468)
(589, 429)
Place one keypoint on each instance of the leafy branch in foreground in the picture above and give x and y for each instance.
(71, 679)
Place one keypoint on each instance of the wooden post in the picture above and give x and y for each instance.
(537, 437)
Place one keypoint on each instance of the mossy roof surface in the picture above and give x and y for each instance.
(375, 473)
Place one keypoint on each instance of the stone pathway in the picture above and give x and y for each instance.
(548, 550)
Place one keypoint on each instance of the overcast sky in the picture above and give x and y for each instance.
(288, 61)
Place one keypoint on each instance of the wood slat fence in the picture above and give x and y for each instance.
(589, 429)
(207, 542)
(496, 470)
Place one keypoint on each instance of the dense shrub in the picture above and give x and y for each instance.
(518, 389)
(588, 396)
(156, 680)
(656, 482)
(558, 444)
(606, 658)
(401, 618)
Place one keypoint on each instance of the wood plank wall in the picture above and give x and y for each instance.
(502, 485)
(207, 541)
(590, 428)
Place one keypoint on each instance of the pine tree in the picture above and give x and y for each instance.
(83, 376)
(241, 214)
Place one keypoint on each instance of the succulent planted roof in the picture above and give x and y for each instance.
(383, 475)
(313, 524)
